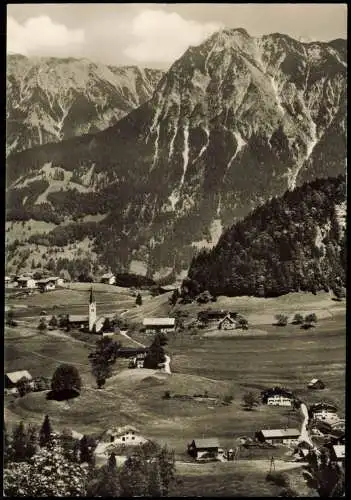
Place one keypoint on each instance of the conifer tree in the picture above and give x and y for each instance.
(19, 442)
(45, 432)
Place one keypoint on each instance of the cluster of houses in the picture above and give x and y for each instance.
(27, 282)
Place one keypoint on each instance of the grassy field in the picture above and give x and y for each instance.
(233, 365)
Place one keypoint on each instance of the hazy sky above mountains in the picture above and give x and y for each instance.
(155, 35)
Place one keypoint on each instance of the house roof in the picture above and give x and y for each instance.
(207, 443)
(323, 406)
(159, 321)
(15, 377)
(107, 276)
(228, 316)
(339, 450)
(77, 318)
(117, 431)
(280, 433)
(25, 278)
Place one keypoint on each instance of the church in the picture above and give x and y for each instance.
(87, 322)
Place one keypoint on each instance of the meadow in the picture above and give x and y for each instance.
(233, 365)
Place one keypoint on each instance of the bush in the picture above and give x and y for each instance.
(23, 386)
(228, 399)
(167, 395)
(66, 379)
(311, 318)
(298, 319)
(282, 320)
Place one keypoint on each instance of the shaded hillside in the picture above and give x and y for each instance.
(234, 122)
(50, 99)
(295, 242)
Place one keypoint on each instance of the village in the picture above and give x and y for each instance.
(321, 427)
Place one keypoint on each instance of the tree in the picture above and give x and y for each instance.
(166, 461)
(106, 481)
(138, 300)
(298, 319)
(23, 386)
(45, 433)
(242, 322)
(282, 319)
(53, 323)
(47, 474)
(134, 477)
(103, 358)
(249, 401)
(156, 352)
(42, 325)
(155, 480)
(7, 447)
(174, 297)
(32, 441)
(311, 318)
(19, 443)
(66, 379)
(87, 446)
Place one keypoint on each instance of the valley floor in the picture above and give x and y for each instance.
(233, 365)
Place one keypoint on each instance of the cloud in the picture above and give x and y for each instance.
(38, 34)
(161, 36)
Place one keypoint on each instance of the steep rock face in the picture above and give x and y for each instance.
(51, 99)
(234, 122)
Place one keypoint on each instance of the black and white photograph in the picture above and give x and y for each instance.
(175, 250)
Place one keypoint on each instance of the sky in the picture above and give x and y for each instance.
(155, 35)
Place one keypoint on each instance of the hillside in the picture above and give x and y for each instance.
(292, 243)
(234, 122)
(50, 99)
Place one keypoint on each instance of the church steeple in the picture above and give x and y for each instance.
(92, 311)
(92, 298)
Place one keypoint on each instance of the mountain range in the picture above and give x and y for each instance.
(50, 99)
(234, 122)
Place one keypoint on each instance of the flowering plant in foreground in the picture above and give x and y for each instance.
(47, 473)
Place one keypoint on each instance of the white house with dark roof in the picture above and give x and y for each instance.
(26, 282)
(155, 325)
(338, 454)
(108, 278)
(287, 437)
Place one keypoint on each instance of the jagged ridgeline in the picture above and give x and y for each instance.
(235, 121)
(291, 243)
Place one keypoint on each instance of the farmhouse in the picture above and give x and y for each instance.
(46, 284)
(124, 435)
(227, 323)
(316, 384)
(26, 282)
(338, 454)
(155, 325)
(204, 449)
(278, 436)
(277, 396)
(212, 317)
(138, 361)
(324, 411)
(12, 379)
(109, 279)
